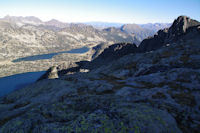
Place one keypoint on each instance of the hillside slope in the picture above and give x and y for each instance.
(154, 91)
(24, 36)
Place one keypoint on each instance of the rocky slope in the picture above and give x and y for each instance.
(112, 53)
(142, 91)
(27, 40)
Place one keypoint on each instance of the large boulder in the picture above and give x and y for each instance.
(52, 73)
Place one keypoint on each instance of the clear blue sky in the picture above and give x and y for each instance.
(124, 11)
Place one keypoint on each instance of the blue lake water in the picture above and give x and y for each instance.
(10, 83)
(49, 56)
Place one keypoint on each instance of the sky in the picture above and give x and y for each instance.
(121, 11)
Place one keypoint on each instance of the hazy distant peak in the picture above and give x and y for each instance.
(155, 26)
(20, 21)
(141, 33)
(56, 23)
(79, 25)
(54, 20)
(131, 27)
(33, 18)
(103, 25)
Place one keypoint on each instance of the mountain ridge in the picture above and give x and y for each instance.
(142, 31)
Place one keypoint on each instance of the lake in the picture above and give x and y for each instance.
(10, 83)
(49, 56)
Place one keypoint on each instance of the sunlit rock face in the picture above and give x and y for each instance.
(52, 73)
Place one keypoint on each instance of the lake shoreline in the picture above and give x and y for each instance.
(51, 55)
(26, 72)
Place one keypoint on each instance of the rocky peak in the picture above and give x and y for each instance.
(20, 21)
(181, 24)
(176, 32)
(53, 21)
(56, 23)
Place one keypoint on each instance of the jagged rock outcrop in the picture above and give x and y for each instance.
(52, 73)
(177, 32)
(181, 25)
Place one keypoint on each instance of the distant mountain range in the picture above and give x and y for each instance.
(20, 21)
(24, 36)
(151, 26)
(102, 25)
(141, 31)
(155, 26)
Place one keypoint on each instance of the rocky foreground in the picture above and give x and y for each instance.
(134, 90)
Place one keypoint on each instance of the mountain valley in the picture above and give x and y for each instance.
(131, 79)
